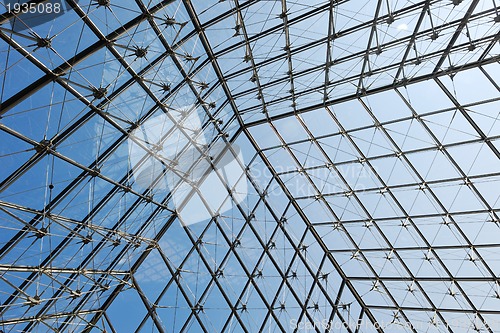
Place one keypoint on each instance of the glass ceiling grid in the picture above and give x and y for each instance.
(371, 166)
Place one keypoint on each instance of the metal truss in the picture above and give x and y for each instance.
(370, 134)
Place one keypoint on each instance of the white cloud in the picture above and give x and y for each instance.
(402, 26)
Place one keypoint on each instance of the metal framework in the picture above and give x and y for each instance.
(370, 132)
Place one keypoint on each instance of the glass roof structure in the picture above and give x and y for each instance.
(250, 166)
